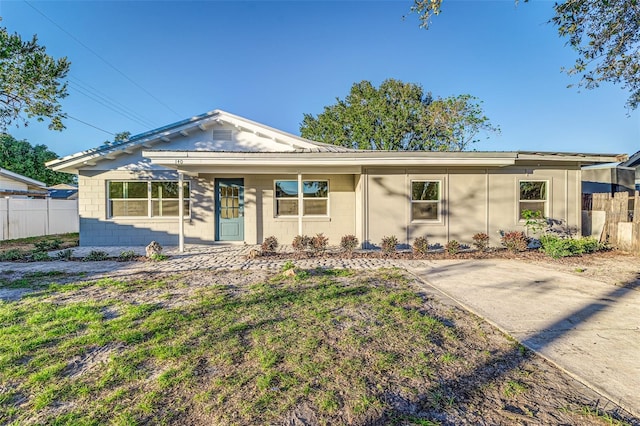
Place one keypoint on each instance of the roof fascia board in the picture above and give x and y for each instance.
(22, 178)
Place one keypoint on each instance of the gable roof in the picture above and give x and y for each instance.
(21, 178)
(165, 134)
(633, 161)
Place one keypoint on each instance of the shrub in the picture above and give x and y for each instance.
(65, 254)
(349, 243)
(421, 246)
(40, 256)
(319, 243)
(13, 254)
(157, 257)
(96, 255)
(301, 243)
(452, 247)
(514, 241)
(126, 256)
(269, 245)
(557, 247)
(481, 241)
(388, 244)
(47, 245)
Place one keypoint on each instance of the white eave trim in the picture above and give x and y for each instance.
(177, 159)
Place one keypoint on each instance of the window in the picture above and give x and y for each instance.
(425, 200)
(146, 199)
(315, 198)
(533, 196)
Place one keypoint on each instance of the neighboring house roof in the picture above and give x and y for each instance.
(20, 178)
(63, 194)
(633, 161)
(281, 149)
(16, 184)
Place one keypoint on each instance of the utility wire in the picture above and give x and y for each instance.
(123, 109)
(106, 103)
(103, 60)
(90, 125)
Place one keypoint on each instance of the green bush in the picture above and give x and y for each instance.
(13, 254)
(514, 241)
(157, 257)
(40, 256)
(388, 244)
(556, 247)
(452, 247)
(349, 243)
(96, 255)
(126, 256)
(48, 245)
(421, 246)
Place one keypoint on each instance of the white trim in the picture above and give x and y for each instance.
(546, 201)
(438, 202)
(149, 199)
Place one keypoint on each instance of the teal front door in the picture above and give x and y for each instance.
(229, 209)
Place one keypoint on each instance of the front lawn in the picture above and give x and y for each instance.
(254, 348)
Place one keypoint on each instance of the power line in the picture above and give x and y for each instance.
(103, 60)
(93, 97)
(118, 105)
(90, 125)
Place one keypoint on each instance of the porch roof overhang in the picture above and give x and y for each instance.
(343, 162)
(195, 162)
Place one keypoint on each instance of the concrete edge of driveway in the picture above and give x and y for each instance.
(632, 411)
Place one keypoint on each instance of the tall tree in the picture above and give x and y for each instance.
(23, 158)
(30, 82)
(398, 116)
(605, 35)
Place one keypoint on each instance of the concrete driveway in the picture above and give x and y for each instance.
(587, 328)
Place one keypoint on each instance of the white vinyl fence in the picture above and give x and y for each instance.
(22, 217)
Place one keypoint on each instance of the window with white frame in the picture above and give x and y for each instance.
(533, 196)
(425, 200)
(315, 198)
(146, 199)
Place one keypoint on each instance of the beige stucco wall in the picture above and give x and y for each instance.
(473, 200)
(8, 183)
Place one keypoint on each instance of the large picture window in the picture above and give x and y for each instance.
(425, 200)
(315, 198)
(146, 199)
(533, 196)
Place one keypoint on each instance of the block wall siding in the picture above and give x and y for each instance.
(482, 200)
(97, 229)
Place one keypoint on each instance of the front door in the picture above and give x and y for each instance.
(229, 209)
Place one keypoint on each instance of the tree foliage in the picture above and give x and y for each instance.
(398, 116)
(30, 82)
(605, 35)
(23, 158)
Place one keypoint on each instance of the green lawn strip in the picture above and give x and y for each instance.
(336, 341)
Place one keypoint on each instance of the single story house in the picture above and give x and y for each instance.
(608, 178)
(15, 185)
(634, 162)
(220, 177)
(63, 191)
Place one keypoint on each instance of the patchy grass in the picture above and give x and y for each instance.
(339, 347)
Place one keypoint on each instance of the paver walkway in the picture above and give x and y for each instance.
(589, 329)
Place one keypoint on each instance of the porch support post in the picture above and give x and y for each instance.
(300, 191)
(181, 212)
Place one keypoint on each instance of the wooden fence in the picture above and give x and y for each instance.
(619, 222)
(23, 217)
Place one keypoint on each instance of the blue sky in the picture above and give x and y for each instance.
(272, 61)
